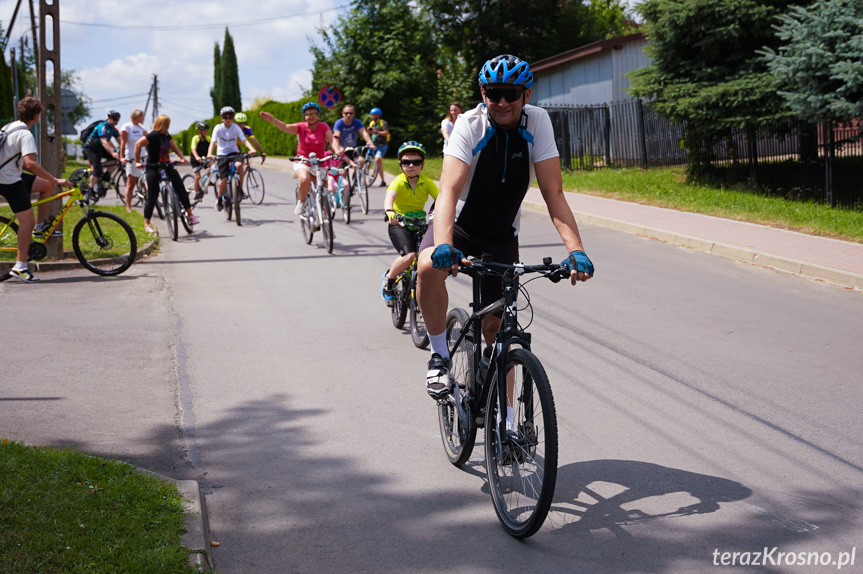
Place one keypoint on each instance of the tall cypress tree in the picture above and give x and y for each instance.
(7, 114)
(217, 80)
(230, 78)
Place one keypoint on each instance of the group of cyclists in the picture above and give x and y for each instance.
(493, 152)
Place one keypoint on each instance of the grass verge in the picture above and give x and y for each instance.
(668, 188)
(64, 511)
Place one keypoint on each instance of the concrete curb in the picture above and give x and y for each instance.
(808, 270)
(197, 537)
(66, 264)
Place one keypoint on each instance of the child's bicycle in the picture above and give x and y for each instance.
(405, 288)
(102, 241)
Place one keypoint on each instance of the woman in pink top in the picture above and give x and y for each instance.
(313, 136)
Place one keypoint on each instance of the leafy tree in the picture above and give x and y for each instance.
(706, 70)
(217, 79)
(819, 71)
(384, 56)
(229, 78)
(7, 114)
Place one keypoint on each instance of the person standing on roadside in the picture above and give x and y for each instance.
(448, 123)
(381, 136)
(130, 133)
(19, 151)
(99, 146)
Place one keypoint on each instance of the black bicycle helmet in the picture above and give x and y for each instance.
(203, 126)
(114, 115)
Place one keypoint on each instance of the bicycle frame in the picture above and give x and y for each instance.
(74, 196)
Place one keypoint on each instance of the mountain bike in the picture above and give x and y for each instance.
(520, 446)
(174, 212)
(233, 195)
(316, 209)
(102, 241)
(405, 288)
(368, 171)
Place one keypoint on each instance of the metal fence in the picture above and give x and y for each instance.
(795, 160)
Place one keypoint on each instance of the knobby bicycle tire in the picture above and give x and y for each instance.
(458, 433)
(401, 292)
(419, 334)
(522, 470)
(104, 243)
(255, 186)
(237, 195)
(169, 201)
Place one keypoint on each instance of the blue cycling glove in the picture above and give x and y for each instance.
(445, 256)
(579, 261)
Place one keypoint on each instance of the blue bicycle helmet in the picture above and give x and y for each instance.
(412, 146)
(308, 105)
(506, 69)
(376, 111)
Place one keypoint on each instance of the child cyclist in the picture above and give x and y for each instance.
(406, 196)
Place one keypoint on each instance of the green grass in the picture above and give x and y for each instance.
(64, 511)
(134, 219)
(668, 188)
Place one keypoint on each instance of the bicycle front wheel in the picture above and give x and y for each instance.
(255, 186)
(228, 199)
(363, 192)
(237, 195)
(401, 293)
(120, 184)
(306, 221)
(521, 458)
(345, 184)
(370, 170)
(327, 223)
(457, 429)
(104, 243)
(169, 202)
(419, 335)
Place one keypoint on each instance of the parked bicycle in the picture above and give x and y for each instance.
(504, 389)
(405, 289)
(174, 213)
(316, 209)
(102, 241)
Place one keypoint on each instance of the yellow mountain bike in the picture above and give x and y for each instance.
(102, 241)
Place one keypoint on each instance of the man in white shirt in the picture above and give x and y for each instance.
(19, 151)
(225, 136)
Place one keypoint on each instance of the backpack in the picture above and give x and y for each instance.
(4, 135)
(87, 133)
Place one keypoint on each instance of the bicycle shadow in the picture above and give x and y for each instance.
(611, 494)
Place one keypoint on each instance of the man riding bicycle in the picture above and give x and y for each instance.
(99, 146)
(225, 135)
(313, 136)
(345, 132)
(494, 153)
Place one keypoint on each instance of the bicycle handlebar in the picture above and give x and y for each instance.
(553, 271)
(308, 161)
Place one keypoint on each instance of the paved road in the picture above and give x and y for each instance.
(703, 404)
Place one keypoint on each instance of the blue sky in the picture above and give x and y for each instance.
(116, 65)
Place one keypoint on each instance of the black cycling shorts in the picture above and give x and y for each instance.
(224, 166)
(18, 193)
(404, 240)
(501, 250)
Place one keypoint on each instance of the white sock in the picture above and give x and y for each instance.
(438, 345)
(20, 266)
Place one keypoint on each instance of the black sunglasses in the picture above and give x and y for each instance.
(228, 117)
(407, 162)
(509, 94)
(347, 113)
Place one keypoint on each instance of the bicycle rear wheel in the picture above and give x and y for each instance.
(120, 184)
(169, 201)
(419, 335)
(104, 243)
(401, 292)
(457, 429)
(139, 194)
(255, 186)
(237, 195)
(522, 464)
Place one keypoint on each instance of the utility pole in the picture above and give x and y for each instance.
(155, 96)
(50, 143)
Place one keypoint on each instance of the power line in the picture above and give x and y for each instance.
(120, 98)
(204, 26)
